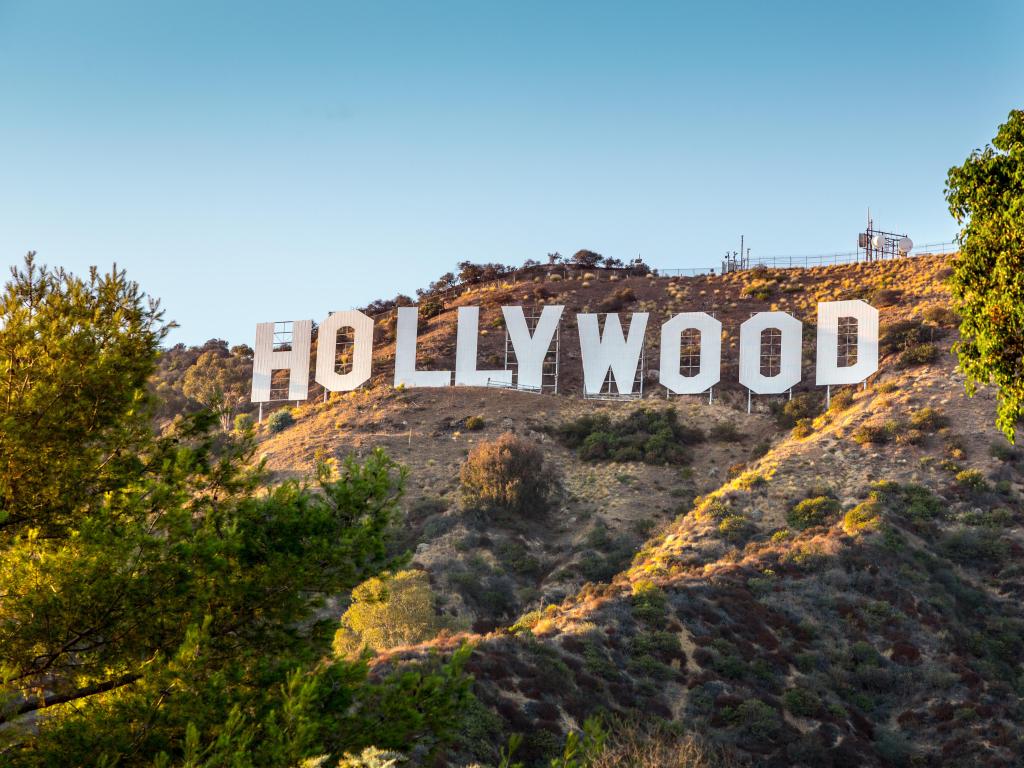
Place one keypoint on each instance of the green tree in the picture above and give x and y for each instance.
(507, 474)
(74, 359)
(389, 610)
(986, 197)
(158, 599)
(219, 380)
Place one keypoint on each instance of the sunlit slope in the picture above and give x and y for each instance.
(844, 595)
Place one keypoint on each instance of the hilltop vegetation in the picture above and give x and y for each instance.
(799, 586)
(471, 577)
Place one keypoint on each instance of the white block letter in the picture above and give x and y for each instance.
(466, 373)
(827, 369)
(296, 361)
(750, 353)
(405, 355)
(531, 350)
(610, 350)
(362, 351)
(710, 353)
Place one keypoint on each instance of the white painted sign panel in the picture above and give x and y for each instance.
(466, 372)
(710, 372)
(266, 360)
(750, 353)
(405, 354)
(362, 351)
(610, 350)
(531, 349)
(827, 371)
(601, 350)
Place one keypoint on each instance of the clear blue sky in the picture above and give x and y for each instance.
(248, 161)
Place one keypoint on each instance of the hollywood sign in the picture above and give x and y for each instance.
(602, 351)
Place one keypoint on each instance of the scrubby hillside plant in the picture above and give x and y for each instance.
(280, 420)
(507, 474)
(389, 610)
(647, 434)
(813, 511)
(865, 517)
(984, 196)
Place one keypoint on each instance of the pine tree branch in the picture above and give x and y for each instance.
(35, 703)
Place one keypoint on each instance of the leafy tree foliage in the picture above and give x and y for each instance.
(647, 434)
(74, 358)
(507, 474)
(159, 601)
(280, 420)
(220, 382)
(585, 258)
(986, 196)
(389, 610)
(212, 376)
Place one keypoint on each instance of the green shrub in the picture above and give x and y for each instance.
(975, 546)
(526, 622)
(972, 479)
(919, 354)
(1000, 517)
(758, 289)
(899, 336)
(748, 481)
(944, 317)
(507, 474)
(802, 702)
(474, 423)
(1005, 452)
(657, 643)
(756, 719)
(841, 400)
(617, 300)
(491, 593)
(875, 433)
(885, 297)
(371, 757)
(437, 526)
(431, 307)
(911, 501)
(711, 508)
(243, 422)
(650, 604)
(280, 420)
(725, 431)
(647, 434)
(516, 558)
(894, 748)
(813, 511)
(863, 518)
(928, 419)
(387, 611)
(805, 405)
(804, 428)
(735, 528)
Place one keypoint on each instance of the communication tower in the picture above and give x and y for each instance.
(878, 245)
(735, 261)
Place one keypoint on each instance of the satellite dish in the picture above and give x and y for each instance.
(906, 245)
(878, 241)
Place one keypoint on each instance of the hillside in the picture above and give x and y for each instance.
(876, 623)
